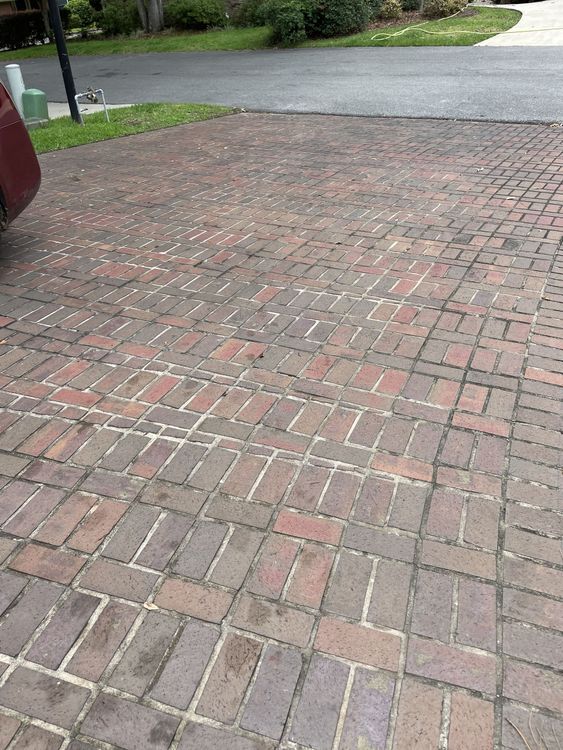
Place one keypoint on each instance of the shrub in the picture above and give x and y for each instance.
(443, 8)
(250, 13)
(82, 15)
(338, 17)
(374, 6)
(390, 9)
(65, 18)
(410, 5)
(22, 30)
(293, 21)
(119, 17)
(195, 14)
(287, 19)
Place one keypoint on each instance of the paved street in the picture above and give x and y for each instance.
(521, 84)
(280, 445)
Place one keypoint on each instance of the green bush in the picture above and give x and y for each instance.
(22, 30)
(338, 17)
(293, 21)
(391, 10)
(443, 8)
(250, 13)
(195, 14)
(287, 19)
(82, 15)
(374, 6)
(410, 5)
(65, 18)
(119, 17)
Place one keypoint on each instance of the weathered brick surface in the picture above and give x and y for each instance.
(468, 669)
(131, 532)
(144, 654)
(63, 630)
(184, 668)
(127, 724)
(35, 737)
(119, 580)
(10, 586)
(390, 594)
(357, 643)
(207, 737)
(8, 727)
(43, 697)
(420, 716)
(193, 599)
(20, 622)
(273, 567)
(367, 718)
(237, 557)
(229, 678)
(197, 555)
(521, 721)
(274, 621)
(280, 440)
(99, 646)
(347, 590)
(270, 700)
(310, 575)
(317, 714)
(471, 723)
(55, 565)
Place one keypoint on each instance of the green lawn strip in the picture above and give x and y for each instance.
(491, 21)
(224, 39)
(62, 132)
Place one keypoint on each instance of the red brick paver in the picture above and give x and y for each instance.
(280, 441)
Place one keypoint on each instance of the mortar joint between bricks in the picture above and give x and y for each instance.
(445, 723)
(344, 708)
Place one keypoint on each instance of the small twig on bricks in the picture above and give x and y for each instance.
(524, 740)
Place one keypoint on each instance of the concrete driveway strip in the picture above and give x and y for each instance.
(541, 25)
(280, 440)
(520, 84)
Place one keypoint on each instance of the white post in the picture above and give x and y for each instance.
(17, 86)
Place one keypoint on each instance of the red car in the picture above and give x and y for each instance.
(20, 175)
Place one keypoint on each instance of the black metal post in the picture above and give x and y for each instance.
(64, 59)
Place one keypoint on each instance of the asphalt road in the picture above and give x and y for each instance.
(492, 83)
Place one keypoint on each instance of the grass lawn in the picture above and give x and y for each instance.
(490, 21)
(223, 39)
(64, 133)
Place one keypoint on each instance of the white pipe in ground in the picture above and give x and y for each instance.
(17, 86)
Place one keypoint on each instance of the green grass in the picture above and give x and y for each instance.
(64, 133)
(223, 39)
(491, 21)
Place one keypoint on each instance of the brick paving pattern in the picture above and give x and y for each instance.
(281, 440)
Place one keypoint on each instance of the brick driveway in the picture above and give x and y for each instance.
(279, 442)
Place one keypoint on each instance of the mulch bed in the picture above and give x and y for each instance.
(414, 16)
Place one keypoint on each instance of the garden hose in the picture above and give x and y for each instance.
(417, 27)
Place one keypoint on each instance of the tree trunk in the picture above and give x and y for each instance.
(142, 9)
(155, 16)
(151, 14)
(46, 18)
